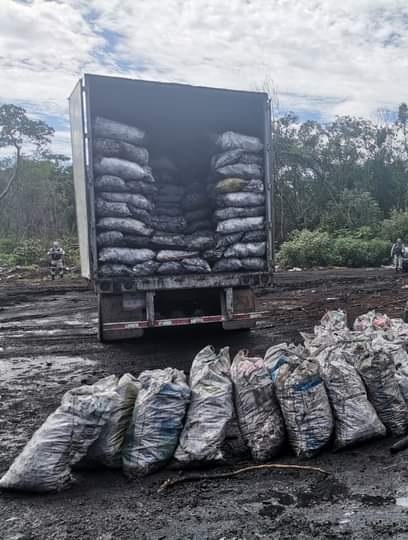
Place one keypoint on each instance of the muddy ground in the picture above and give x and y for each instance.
(48, 345)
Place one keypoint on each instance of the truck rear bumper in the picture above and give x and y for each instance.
(183, 321)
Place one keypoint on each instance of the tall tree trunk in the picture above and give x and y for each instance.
(13, 175)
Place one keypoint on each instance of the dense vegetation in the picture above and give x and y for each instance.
(341, 190)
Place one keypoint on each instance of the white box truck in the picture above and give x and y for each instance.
(181, 122)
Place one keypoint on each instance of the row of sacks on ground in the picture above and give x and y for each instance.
(153, 221)
(342, 387)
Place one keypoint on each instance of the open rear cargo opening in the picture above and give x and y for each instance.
(180, 123)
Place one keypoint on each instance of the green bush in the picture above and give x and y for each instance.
(395, 227)
(305, 249)
(28, 252)
(349, 251)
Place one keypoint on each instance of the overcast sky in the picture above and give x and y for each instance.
(324, 57)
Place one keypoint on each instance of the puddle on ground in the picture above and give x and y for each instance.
(11, 370)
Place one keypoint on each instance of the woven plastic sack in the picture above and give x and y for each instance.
(135, 199)
(241, 170)
(210, 408)
(238, 212)
(167, 255)
(123, 255)
(334, 320)
(170, 268)
(230, 140)
(156, 422)
(108, 182)
(111, 209)
(355, 418)
(121, 149)
(234, 156)
(372, 320)
(230, 226)
(240, 200)
(107, 449)
(241, 251)
(230, 185)
(128, 170)
(110, 238)
(304, 403)
(254, 264)
(125, 225)
(147, 268)
(195, 265)
(63, 440)
(174, 225)
(115, 270)
(259, 416)
(116, 130)
(376, 366)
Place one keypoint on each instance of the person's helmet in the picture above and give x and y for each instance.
(55, 244)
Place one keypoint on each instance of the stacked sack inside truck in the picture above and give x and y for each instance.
(238, 193)
(180, 232)
(124, 194)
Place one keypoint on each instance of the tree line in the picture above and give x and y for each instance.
(341, 175)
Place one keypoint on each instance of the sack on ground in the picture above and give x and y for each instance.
(210, 408)
(259, 416)
(377, 369)
(157, 421)
(304, 403)
(63, 440)
(355, 418)
(107, 449)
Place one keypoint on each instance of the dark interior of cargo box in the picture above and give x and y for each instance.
(178, 119)
(181, 124)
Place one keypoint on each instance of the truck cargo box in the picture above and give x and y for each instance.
(181, 124)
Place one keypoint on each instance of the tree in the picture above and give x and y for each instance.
(17, 130)
(353, 209)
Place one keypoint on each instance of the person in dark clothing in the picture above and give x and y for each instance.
(56, 255)
(397, 252)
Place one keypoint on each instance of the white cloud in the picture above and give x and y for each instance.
(328, 57)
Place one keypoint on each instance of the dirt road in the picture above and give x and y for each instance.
(48, 345)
